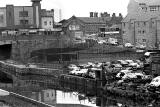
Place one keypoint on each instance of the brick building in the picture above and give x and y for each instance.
(141, 26)
(81, 26)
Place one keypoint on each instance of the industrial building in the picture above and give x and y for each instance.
(141, 26)
(24, 17)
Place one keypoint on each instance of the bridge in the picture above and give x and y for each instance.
(19, 47)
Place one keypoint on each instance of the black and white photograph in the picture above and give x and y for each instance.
(79, 53)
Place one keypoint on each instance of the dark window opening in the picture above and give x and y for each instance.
(24, 22)
(23, 14)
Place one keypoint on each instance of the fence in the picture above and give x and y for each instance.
(101, 57)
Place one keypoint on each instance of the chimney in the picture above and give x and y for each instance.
(102, 15)
(91, 14)
(95, 14)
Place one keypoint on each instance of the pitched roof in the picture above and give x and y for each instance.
(140, 17)
(149, 2)
(67, 22)
(94, 19)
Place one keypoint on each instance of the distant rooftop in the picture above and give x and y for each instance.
(149, 2)
(94, 19)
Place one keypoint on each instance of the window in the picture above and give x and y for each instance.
(144, 40)
(24, 22)
(47, 95)
(124, 32)
(144, 23)
(153, 8)
(52, 94)
(45, 22)
(124, 25)
(10, 14)
(50, 23)
(144, 31)
(138, 24)
(139, 31)
(23, 14)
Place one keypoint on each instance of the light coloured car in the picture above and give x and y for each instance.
(129, 61)
(128, 45)
(74, 71)
(102, 41)
(72, 66)
(155, 82)
(132, 75)
(140, 46)
(122, 73)
(81, 72)
(78, 72)
(122, 62)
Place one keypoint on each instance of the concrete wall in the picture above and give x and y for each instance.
(17, 18)
(10, 16)
(3, 17)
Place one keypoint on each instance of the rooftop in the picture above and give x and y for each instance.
(94, 19)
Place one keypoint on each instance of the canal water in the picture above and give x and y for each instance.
(58, 94)
(61, 98)
(53, 97)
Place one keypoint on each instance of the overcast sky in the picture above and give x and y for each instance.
(79, 8)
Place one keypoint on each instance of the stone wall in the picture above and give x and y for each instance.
(21, 50)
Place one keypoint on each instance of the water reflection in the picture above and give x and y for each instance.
(59, 98)
(51, 97)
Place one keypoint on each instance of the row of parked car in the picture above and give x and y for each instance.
(115, 66)
(123, 71)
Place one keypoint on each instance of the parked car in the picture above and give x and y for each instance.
(78, 72)
(122, 73)
(155, 82)
(128, 45)
(72, 66)
(122, 62)
(154, 85)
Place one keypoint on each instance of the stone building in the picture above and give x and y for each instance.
(141, 26)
